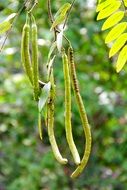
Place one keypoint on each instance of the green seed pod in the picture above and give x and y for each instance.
(68, 127)
(35, 59)
(83, 115)
(25, 54)
(51, 135)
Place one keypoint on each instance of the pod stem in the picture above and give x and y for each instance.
(34, 5)
(83, 115)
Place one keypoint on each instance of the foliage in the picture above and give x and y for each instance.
(26, 162)
(115, 12)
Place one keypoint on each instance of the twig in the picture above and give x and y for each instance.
(51, 17)
(34, 5)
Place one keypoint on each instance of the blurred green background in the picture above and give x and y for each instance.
(26, 163)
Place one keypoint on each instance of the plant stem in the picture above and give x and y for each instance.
(51, 17)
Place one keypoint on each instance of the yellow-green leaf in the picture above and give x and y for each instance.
(59, 20)
(115, 32)
(7, 23)
(103, 5)
(109, 10)
(113, 20)
(4, 27)
(63, 10)
(119, 43)
(122, 59)
(125, 2)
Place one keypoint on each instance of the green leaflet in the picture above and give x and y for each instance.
(122, 59)
(109, 10)
(118, 34)
(58, 20)
(125, 2)
(115, 32)
(4, 27)
(7, 23)
(61, 15)
(113, 20)
(63, 10)
(119, 43)
(103, 5)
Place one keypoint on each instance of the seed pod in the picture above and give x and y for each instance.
(68, 127)
(25, 54)
(82, 113)
(51, 135)
(35, 59)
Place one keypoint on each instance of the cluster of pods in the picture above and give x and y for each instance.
(29, 57)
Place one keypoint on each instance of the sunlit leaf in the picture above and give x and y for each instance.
(125, 2)
(4, 27)
(122, 59)
(103, 5)
(109, 10)
(7, 23)
(113, 19)
(58, 20)
(115, 32)
(119, 43)
(63, 10)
